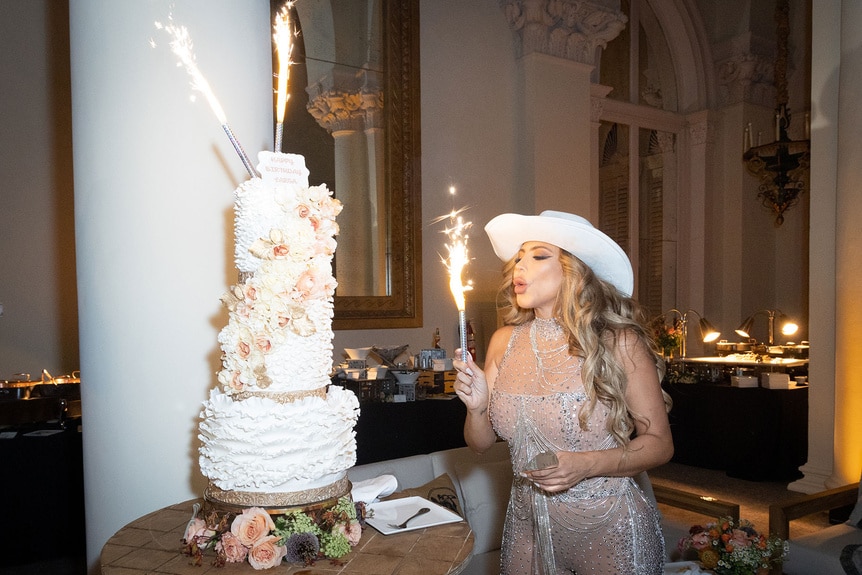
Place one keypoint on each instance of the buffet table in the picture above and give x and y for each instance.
(393, 430)
(42, 463)
(751, 433)
(152, 543)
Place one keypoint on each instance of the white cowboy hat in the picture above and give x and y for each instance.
(570, 232)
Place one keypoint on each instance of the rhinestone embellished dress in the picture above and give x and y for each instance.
(603, 525)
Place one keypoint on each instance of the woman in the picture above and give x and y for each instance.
(574, 373)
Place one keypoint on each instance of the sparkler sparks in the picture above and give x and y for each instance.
(282, 37)
(182, 46)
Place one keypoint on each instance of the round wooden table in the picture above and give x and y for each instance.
(153, 543)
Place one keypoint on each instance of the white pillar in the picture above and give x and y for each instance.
(848, 243)
(378, 224)
(825, 59)
(555, 158)
(354, 251)
(154, 176)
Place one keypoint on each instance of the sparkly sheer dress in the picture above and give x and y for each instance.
(603, 525)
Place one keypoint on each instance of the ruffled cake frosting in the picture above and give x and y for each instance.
(259, 445)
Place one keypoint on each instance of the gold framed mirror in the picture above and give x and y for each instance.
(353, 113)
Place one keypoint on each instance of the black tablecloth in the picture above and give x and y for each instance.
(752, 433)
(391, 430)
(42, 493)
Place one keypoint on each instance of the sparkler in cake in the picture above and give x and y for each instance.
(283, 38)
(182, 46)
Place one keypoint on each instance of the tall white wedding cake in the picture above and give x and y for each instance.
(274, 433)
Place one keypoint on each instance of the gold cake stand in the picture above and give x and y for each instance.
(230, 501)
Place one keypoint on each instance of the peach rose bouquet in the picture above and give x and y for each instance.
(265, 541)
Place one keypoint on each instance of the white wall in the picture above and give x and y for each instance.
(39, 325)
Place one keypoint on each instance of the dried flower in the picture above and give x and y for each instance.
(302, 548)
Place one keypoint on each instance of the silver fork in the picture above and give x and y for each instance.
(403, 525)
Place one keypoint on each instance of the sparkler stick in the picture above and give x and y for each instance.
(181, 46)
(240, 152)
(283, 47)
(456, 262)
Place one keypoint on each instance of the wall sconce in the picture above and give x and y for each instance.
(708, 333)
(788, 327)
(782, 166)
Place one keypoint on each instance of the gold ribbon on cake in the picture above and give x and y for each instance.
(278, 502)
(282, 397)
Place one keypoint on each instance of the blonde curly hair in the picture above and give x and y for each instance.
(594, 315)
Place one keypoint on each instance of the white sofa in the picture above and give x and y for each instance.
(482, 484)
(820, 553)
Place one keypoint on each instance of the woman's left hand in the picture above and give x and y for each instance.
(571, 469)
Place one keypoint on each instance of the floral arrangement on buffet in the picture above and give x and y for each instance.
(730, 548)
(255, 536)
(677, 374)
(668, 338)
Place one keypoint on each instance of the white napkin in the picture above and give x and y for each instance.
(370, 490)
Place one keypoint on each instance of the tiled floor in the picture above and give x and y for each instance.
(753, 497)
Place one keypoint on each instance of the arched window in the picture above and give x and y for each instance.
(639, 157)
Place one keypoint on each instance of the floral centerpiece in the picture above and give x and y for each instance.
(255, 536)
(668, 338)
(730, 548)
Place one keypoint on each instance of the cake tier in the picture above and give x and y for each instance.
(265, 445)
(260, 355)
(269, 202)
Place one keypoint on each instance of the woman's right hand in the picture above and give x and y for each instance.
(471, 386)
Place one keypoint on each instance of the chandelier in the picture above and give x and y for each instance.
(781, 167)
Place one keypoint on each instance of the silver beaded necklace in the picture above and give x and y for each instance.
(555, 361)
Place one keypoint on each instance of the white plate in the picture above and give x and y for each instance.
(395, 511)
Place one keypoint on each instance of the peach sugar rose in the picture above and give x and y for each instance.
(198, 532)
(352, 532)
(229, 546)
(252, 525)
(266, 553)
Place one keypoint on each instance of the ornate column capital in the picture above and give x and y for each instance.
(338, 110)
(745, 67)
(571, 29)
(347, 102)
